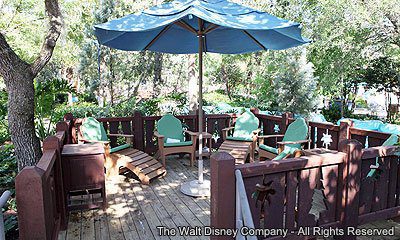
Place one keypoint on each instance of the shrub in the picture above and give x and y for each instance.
(8, 172)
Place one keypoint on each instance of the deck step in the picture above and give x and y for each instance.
(140, 163)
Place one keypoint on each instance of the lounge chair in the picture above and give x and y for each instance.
(121, 158)
(241, 139)
(295, 135)
(171, 138)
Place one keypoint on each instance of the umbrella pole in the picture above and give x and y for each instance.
(200, 161)
(199, 187)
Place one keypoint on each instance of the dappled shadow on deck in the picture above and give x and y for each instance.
(135, 210)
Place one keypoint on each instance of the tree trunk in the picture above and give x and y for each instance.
(158, 58)
(192, 83)
(18, 77)
(21, 116)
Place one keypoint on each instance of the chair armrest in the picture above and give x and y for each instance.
(293, 142)
(191, 133)
(225, 132)
(120, 135)
(158, 135)
(271, 136)
(228, 128)
(95, 141)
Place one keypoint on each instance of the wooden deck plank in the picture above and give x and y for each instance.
(138, 218)
(74, 225)
(149, 213)
(128, 227)
(88, 231)
(101, 225)
(197, 205)
(114, 222)
(162, 213)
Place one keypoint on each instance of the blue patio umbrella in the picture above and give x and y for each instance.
(198, 26)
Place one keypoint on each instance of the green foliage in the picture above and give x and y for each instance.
(149, 107)
(333, 113)
(80, 110)
(215, 97)
(8, 172)
(383, 74)
(48, 93)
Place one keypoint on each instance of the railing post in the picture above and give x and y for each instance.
(222, 192)
(255, 110)
(138, 131)
(285, 121)
(348, 209)
(52, 143)
(344, 130)
(64, 126)
(71, 130)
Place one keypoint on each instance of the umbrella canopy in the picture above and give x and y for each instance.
(173, 28)
(198, 26)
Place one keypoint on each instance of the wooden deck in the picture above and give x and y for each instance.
(135, 210)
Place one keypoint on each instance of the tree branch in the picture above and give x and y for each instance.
(51, 38)
(8, 58)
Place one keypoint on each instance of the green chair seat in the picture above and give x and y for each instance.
(178, 144)
(269, 149)
(243, 138)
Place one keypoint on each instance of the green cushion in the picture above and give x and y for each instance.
(246, 139)
(170, 127)
(245, 125)
(296, 131)
(93, 130)
(178, 144)
(268, 148)
(120, 147)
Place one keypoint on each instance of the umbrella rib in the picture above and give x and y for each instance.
(255, 40)
(186, 26)
(157, 37)
(211, 28)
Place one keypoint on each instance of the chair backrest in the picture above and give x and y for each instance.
(170, 127)
(92, 129)
(245, 125)
(296, 131)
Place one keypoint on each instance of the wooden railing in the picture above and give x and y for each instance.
(142, 128)
(325, 190)
(39, 192)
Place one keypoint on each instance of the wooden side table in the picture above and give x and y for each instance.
(83, 175)
(207, 141)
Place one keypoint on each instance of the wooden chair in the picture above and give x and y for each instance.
(121, 158)
(295, 135)
(171, 138)
(241, 140)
